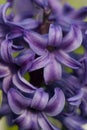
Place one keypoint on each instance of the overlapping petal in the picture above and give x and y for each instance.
(4, 70)
(25, 59)
(44, 123)
(40, 62)
(76, 97)
(55, 35)
(74, 122)
(52, 71)
(6, 51)
(7, 83)
(17, 102)
(4, 108)
(68, 9)
(23, 10)
(40, 100)
(1, 8)
(80, 14)
(72, 40)
(56, 6)
(28, 23)
(28, 120)
(76, 100)
(56, 103)
(83, 105)
(42, 3)
(22, 84)
(84, 70)
(36, 42)
(15, 33)
(67, 60)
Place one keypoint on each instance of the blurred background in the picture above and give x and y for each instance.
(75, 3)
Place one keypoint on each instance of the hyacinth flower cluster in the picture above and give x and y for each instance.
(38, 39)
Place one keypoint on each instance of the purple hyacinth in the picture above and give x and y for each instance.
(11, 26)
(52, 49)
(65, 15)
(74, 122)
(32, 110)
(8, 67)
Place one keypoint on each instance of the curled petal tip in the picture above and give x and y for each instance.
(56, 103)
(73, 39)
(17, 101)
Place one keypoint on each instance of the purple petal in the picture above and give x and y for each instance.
(42, 3)
(55, 35)
(17, 101)
(2, 32)
(40, 99)
(75, 103)
(28, 121)
(23, 10)
(64, 58)
(15, 33)
(56, 6)
(26, 24)
(52, 34)
(4, 107)
(4, 110)
(22, 84)
(72, 40)
(56, 103)
(74, 122)
(44, 123)
(24, 55)
(52, 71)
(83, 105)
(24, 59)
(4, 10)
(4, 70)
(83, 25)
(6, 51)
(72, 79)
(83, 73)
(80, 14)
(68, 9)
(40, 62)
(7, 83)
(1, 8)
(17, 48)
(65, 22)
(37, 42)
(76, 97)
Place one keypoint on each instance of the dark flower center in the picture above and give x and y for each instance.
(51, 48)
(33, 110)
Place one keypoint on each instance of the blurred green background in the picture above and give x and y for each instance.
(74, 3)
(2, 1)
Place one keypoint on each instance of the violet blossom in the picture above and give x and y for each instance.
(65, 15)
(31, 110)
(53, 49)
(8, 67)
